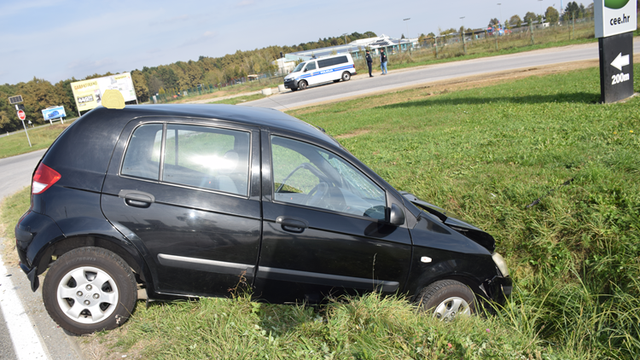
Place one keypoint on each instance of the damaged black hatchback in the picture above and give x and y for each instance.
(188, 200)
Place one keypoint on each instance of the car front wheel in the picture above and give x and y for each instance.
(302, 85)
(346, 76)
(447, 299)
(89, 289)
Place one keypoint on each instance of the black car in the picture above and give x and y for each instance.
(191, 200)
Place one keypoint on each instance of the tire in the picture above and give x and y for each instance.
(346, 76)
(89, 289)
(294, 89)
(302, 85)
(337, 80)
(447, 299)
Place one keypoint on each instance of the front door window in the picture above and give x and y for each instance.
(308, 175)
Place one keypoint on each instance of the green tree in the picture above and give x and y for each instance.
(140, 85)
(552, 15)
(65, 96)
(571, 11)
(530, 18)
(515, 21)
(493, 22)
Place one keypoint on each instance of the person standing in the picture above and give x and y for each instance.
(369, 62)
(383, 61)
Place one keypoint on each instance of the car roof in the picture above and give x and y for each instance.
(246, 115)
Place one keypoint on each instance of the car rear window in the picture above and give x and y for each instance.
(204, 157)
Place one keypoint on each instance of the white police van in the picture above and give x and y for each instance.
(315, 71)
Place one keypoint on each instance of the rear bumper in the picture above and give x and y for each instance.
(33, 232)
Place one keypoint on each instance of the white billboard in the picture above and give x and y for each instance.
(54, 113)
(88, 93)
(614, 17)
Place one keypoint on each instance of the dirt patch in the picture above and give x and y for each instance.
(352, 134)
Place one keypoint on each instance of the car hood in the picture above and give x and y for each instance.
(473, 233)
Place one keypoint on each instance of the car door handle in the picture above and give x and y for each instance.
(136, 198)
(291, 224)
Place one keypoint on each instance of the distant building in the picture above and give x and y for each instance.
(355, 48)
(284, 65)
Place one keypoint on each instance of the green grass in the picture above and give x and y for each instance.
(10, 211)
(41, 138)
(486, 154)
(367, 327)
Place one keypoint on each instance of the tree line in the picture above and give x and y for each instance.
(39, 94)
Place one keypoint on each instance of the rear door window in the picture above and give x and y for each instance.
(198, 156)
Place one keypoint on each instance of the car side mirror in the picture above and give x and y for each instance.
(396, 215)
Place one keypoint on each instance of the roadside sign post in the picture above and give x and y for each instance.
(16, 100)
(615, 21)
(22, 116)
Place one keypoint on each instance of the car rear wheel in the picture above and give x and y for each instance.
(346, 76)
(447, 299)
(302, 85)
(89, 289)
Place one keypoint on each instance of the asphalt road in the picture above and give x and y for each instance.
(428, 74)
(15, 172)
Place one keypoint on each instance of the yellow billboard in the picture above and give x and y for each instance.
(88, 93)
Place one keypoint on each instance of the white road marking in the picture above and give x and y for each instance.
(26, 342)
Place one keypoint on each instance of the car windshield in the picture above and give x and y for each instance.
(299, 67)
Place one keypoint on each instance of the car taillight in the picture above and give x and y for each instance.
(43, 179)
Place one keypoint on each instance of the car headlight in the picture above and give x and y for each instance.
(500, 263)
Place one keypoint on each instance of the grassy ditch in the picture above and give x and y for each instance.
(41, 138)
(536, 162)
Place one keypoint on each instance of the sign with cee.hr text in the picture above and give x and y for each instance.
(614, 17)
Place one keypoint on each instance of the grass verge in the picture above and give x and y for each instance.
(537, 162)
(41, 138)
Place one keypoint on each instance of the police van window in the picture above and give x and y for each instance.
(299, 67)
(324, 63)
(311, 65)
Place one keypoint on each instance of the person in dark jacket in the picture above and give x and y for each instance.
(369, 62)
(383, 61)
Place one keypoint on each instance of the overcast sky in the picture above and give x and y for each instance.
(60, 39)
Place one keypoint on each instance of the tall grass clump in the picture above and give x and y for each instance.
(365, 327)
(542, 166)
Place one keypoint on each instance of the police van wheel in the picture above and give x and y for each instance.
(338, 80)
(346, 76)
(302, 85)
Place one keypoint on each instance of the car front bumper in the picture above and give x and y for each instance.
(291, 84)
